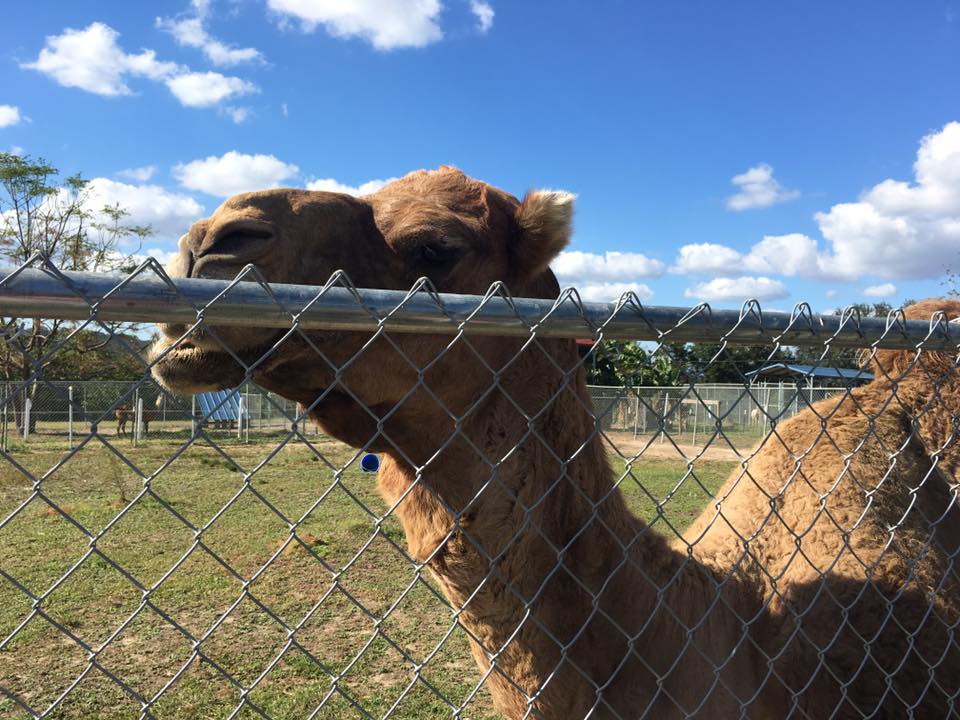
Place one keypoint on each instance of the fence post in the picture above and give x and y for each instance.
(636, 412)
(696, 407)
(663, 418)
(70, 417)
(246, 407)
(193, 416)
(240, 417)
(26, 416)
(138, 421)
(5, 426)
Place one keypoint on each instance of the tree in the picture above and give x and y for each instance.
(951, 282)
(42, 213)
(623, 362)
(845, 357)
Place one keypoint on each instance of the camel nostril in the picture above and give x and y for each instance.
(243, 240)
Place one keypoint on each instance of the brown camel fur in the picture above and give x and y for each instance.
(762, 610)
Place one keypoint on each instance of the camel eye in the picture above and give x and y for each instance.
(438, 253)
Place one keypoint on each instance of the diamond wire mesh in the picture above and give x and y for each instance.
(192, 572)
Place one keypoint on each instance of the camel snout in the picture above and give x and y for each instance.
(238, 240)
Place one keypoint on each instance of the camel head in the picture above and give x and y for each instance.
(460, 233)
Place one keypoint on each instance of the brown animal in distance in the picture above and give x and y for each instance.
(590, 612)
(125, 414)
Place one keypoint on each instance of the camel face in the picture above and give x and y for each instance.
(460, 233)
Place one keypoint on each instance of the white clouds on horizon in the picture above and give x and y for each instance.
(140, 174)
(902, 229)
(168, 213)
(611, 292)
(385, 24)
(91, 59)
(604, 278)
(233, 173)
(331, 185)
(758, 188)
(895, 230)
(744, 287)
(190, 32)
(794, 254)
(706, 258)
(881, 291)
(576, 267)
(10, 116)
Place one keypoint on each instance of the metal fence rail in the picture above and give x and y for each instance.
(534, 548)
(153, 297)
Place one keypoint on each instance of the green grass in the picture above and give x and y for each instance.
(146, 538)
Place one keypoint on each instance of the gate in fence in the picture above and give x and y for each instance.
(534, 548)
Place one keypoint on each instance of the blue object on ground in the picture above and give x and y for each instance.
(227, 411)
(369, 463)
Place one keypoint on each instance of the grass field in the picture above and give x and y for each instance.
(365, 615)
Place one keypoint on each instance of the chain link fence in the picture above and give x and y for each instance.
(59, 407)
(531, 548)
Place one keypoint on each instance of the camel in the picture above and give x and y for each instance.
(821, 583)
(125, 414)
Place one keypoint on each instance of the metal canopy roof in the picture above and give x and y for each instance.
(228, 402)
(811, 371)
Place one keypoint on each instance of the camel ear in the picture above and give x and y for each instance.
(545, 218)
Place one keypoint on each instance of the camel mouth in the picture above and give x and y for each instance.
(188, 368)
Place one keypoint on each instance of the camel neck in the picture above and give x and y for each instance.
(521, 523)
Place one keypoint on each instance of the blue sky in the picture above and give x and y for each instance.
(726, 150)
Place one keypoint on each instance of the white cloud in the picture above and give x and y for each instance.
(385, 24)
(885, 290)
(794, 254)
(899, 229)
(233, 173)
(164, 257)
(140, 174)
(91, 59)
(610, 292)
(758, 189)
(706, 258)
(239, 115)
(16, 150)
(738, 288)
(204, 89)
(168, 213)
(331, 185)
(581, 268)
(9, 115)
(484, 14)
(190, 32)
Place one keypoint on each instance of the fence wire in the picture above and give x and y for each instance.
(531, 547)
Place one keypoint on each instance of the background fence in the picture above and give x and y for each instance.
(632, 410)
(732, 563)
(96, 401)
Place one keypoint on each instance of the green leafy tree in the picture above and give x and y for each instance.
(40, 212)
